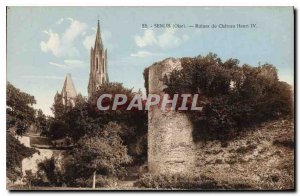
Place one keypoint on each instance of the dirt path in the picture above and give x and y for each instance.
(126, 184)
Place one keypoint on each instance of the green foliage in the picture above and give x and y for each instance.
(190, 181)
(15, 153)
(102, 153)
(78, 119)
(102, 138)
(101, 181)
(177, 181)
(233, 97)
(58, 108)
(67, 121)
(28, 178)
(47, 170)
(19, 110)
(41, 121)
(86, 119)
(110, 88)
(205, 75)
(57, 128)
(133, 123)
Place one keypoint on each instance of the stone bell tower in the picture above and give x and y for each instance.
(98, 64)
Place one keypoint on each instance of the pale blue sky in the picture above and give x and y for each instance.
(46, 43)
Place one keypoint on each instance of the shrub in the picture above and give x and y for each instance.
(19, 110)
(177, 181)
(233, 97)
(48, 173)
(29, 178)
(86, 119)
(15, 153)
(101, 181)
(192, 181)
(99, 154)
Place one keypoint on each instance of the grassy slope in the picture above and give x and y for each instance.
(263, 158)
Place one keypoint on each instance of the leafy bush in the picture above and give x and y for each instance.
(191, 181)
(233, 97)
(29, 178)
(177, 181)
(19, 110)
(101, 181)
(48, 173)
(134, 122)
(86, 119)
(99, 154)
(15, 153)
(57, 129)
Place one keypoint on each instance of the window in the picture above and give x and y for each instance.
(97, 66)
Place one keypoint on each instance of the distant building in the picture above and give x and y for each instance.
(98, 65)
(68, 92)
(98, 73)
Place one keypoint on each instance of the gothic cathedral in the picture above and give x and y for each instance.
(98, 65)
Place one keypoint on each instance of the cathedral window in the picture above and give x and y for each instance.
(97, 66)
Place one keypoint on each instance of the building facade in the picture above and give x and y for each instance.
(98, 64)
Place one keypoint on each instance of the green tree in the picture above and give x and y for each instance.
(134, 123)
(48, 169)
(15, 153)
(19, 110)
(20, 115)
(78, 119)
(57, 126)
(29, 178)
(233, 96)
(84, 119)
(41, 121)
(102, 153)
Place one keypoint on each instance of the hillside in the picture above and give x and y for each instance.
(263, 158)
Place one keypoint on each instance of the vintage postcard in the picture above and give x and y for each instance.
(150, 98)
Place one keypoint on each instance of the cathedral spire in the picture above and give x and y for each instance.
(98, 40)
(98, 64)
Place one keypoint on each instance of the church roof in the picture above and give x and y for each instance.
(68, 89)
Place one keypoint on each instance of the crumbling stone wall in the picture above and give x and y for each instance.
(170, 143)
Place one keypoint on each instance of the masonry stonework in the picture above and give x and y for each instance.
(170, 143)
(98, 64)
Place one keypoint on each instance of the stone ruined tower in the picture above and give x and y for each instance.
(68, 92)
(171, 148)
(98, 64)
